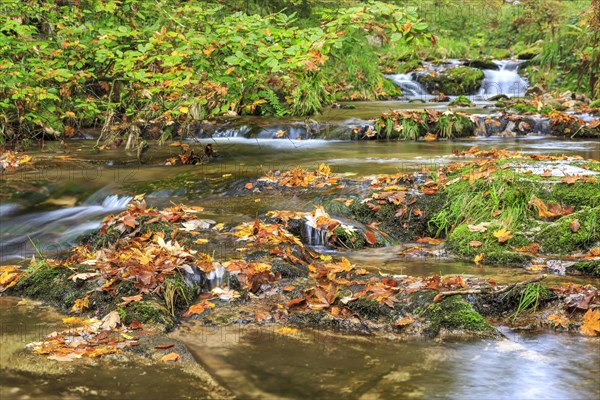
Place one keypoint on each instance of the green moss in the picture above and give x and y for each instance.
(557, 237)
(591, 268)
(50, 284)
(578, 194)
(454, 81)
(149, 312)
(531, 109)
(408, 226)
(408, 66)
(369, 309)
(288, 270)
(461, 101)
(509, 193)
(495, 253)
(352, 239)
(455, 314)
(529, 53)
(595, 104)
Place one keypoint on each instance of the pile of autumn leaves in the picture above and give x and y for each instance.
(10, 160)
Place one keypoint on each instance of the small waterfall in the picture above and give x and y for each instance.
(504, 81)
(215, 277)
(313, 236)
(409, 86)
(54, 230)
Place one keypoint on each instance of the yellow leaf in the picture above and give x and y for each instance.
(558, 320)
(478, 258)
(286, 331)
(184, 109)
(201, 241)
(80, 305)
(324, 169)
(73, 321)
(502, 235)
(591, 322)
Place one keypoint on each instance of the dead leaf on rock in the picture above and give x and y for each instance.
(171, 357)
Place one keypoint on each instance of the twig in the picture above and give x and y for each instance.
(442, 295)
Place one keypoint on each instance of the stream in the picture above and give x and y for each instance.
(64, 200)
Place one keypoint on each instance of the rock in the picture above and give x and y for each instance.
(534, 91)
(461, 101)
(481, 64)
(498, 97)
(453, 81)
(441, 98)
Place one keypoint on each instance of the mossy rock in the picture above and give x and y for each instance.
(461, 101)
(454, 81)
(579, 194)
(370, 309)
(454, 314)
(529, 53)
(352, 239)
(408, 226)
(458, 241)
(595, 104)
(149, 312)
(590, 268)
(482, 64)
(558, 238)
(288, 270)
(409, 66)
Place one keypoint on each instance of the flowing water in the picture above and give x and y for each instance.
(52, 212)
(505, 80)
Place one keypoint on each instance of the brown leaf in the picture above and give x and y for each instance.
(591, 322)
(171, 357)
(370, 238)
(136, 325)
(475, 243)
(429, 240)
(574, 225)
(164, 346)
(533, 248)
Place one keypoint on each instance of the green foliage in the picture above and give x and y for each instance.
(530, 298)
(71, 66)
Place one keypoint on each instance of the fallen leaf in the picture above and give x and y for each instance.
(404, 321)
(429, 240)
(286, 331)
(136, 325)
(503, 235)
(80, 305)
(475, 243)
(370, 238)
(130, 299)
(591, 322)
(164, 346)
(171, 357)
(558, 320)
(199, 308)
(110, 321)
(574, 225)
(533, 248)
(478, 258)
(482, 227)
